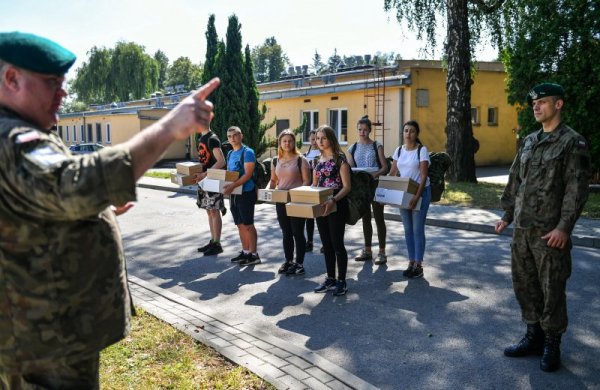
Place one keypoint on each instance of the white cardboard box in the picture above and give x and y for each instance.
(274, 196)
(395, 198)
(213, 185)
(368, 170)
(398, 183)
(309, 194)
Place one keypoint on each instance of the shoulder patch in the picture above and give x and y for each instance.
(46, 156)
(581, 144)
(27, 137)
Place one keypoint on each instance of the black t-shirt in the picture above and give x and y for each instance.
(206, 145)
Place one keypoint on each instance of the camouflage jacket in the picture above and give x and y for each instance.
(63, 286)
(548, 182)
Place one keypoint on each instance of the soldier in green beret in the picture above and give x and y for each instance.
(63, 283)
(547, 188)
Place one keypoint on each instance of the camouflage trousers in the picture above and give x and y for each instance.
(539, 275)
(59, 375)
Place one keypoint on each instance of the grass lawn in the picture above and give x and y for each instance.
(158, 174)
(487, 196)
(157, 356)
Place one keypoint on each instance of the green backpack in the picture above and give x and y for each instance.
(439, 164)
(362, 192)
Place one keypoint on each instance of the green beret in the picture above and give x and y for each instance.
(543, 90)
(34, 53)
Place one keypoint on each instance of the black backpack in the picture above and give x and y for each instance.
(439, 164)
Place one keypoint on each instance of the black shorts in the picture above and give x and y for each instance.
(242, 207)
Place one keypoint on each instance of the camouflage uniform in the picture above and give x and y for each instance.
(63, 285)
(547, 188)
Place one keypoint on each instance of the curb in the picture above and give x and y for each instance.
(282, 364)
(577, 240)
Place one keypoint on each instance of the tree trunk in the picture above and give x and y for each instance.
(459, 132)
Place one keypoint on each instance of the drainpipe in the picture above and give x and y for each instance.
(401, 116)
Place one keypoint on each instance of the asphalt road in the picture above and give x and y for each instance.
(445, 331)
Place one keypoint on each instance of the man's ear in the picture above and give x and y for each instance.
(11, 79)
(558, 104)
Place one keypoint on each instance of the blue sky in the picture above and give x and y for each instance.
(177, 27)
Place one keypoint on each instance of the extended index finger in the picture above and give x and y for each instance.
(207, 89)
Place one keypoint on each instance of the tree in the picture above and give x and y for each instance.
(255, 136)
(270, 60)
(565, 49)
(334, 61)
(183, 72)
(163, 65)
(134, 74)
(220, 123)
(212, 48)
(465, 20)
(90, 83)
(318, 66)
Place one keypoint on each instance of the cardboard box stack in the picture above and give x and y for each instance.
(307, 201)
(396, 191)
(274, 196)
(185, 173)
(216, 179)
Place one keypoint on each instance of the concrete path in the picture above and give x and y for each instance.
(300, 354)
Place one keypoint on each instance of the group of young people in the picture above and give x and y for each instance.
(323, 165)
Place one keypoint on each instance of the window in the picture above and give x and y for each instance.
(98, 132)
(311, 122)
(60, 133)
(74, 133)
(492, 116)
(67, 133)
(90, 135)
(338, 120)
(108, 135)
(475, 116)
(282, 124)
(82, 132)
(422, 98)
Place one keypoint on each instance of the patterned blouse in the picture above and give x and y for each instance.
(328, 173)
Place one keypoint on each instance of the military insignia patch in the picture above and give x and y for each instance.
(46, 156)
(582, 145)
(533, 95)
(27, 137)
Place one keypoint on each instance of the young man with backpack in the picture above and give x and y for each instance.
(242, 160)
(367, 153)
(211, 156)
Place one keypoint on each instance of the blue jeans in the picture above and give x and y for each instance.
(414, 227)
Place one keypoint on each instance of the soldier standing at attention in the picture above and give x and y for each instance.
(63, 282)
(547, 188)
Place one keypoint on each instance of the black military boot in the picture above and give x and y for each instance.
(531, 344)
(551, 359)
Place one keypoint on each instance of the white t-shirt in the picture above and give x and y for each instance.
(408, 162)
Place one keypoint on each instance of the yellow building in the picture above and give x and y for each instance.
(392, 95)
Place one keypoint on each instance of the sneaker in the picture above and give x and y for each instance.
(295, 269)
(417, 272)
(250, 260)
(328, 285)
(322, 249)
(409, 271)
(240, 257)
(381, 259)
(205, 247)
(215, 249)
(223, 211)
(340, 288)
(364, 256)
(309, 246)
(284, 267)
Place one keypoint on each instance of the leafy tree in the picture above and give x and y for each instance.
(559, 42)
(163, 65)
(255, 137)
(133, 72)
(183, 72)
(73, 106)
(334, 62)
(212, 48)
(270, 60)
(318, 66)
(90, 83)
(465, 21)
